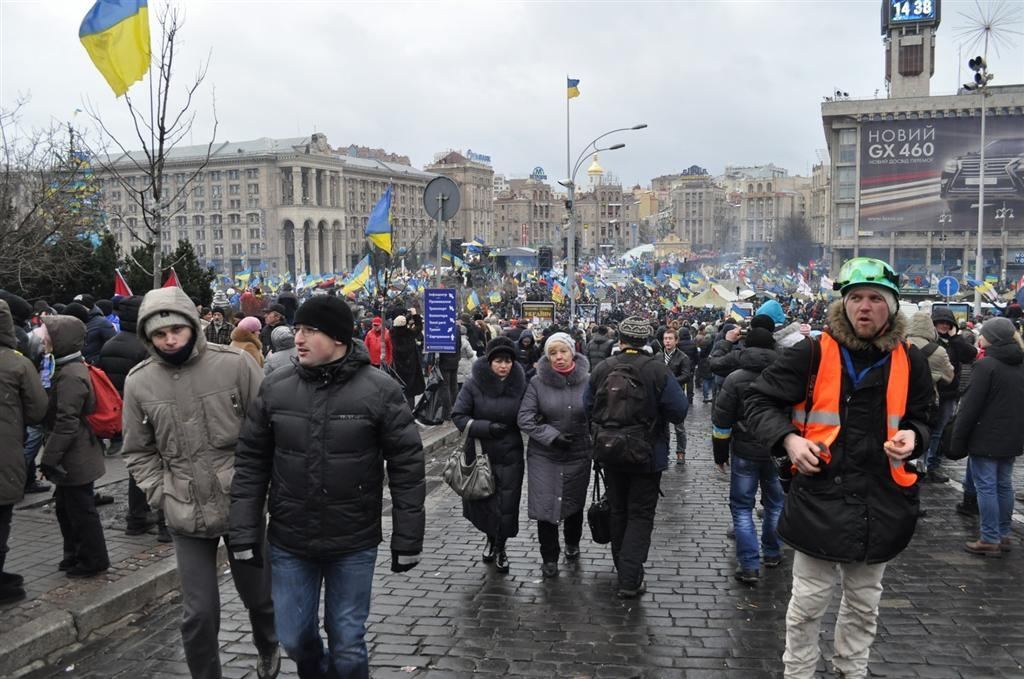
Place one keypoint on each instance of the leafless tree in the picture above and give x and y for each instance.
(47, 209)
(159, 127)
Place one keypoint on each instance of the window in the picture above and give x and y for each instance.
(846, 215)
(199, 205)
(216, 219)
(216, 190)
(847, 177)
(182, 234)
(254, 234)
(236, 248)
(233, 174)
(215, 176)
(218, 234)
(252, 218)
(848, 145)
(254, 189)
(254, 248)
(198, 220)
(182, 221)
(232, 189)
(166, 235)
(253, 173)
(218, 250)
(911, 59)
(236, 234)
(217, 203)
(234, 219)
(254, 202)
(199, 192)
(132, 222)
(201, 250)
(235, 204)
(200, 234)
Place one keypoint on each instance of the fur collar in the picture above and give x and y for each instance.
(840, 328)
(490, 384)
(547, 374)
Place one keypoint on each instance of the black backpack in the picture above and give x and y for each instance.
(623, 426)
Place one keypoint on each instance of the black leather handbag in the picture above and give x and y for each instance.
(599, 515)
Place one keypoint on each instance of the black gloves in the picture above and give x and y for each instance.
(403, 561)
(250, 555)
(497, 430)
(563, 441)
(55, 473)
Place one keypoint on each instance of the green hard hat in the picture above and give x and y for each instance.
(867, 271)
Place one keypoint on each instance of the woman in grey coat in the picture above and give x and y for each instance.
(559, 452)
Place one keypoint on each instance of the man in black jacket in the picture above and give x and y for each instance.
(320, 435)
(118, 356)
(274, 318)
(960, 353)
(853, 502)
(685, 343)
(678, 363)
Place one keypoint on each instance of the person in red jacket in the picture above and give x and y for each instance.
(374, 339)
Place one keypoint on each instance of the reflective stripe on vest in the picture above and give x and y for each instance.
(823, 423)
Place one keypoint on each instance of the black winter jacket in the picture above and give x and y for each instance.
(852, 510)
(97, 331)
(320, 438)
(725, 357)
(988, 423)
(484, 399)
(598, 349)
(960, 353)
(679, 365)
(119, 355)
(728, 413)
(688, 347)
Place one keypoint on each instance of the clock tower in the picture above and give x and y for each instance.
(909, 28)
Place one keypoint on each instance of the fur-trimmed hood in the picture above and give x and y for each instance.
(840, 328)
(491, 384)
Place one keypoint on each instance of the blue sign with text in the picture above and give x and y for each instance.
(948, 286)
(440, 333)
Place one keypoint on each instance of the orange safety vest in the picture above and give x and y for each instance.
(822, 423)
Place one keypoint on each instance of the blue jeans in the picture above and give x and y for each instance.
(947, 406)
(33, 442)
(969, 488)
(707, 386)
(746, 476)
(296, 591)
(993, 479)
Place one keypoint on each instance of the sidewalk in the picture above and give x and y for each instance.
(60, 613)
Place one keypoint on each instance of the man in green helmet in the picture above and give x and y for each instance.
(845, 412)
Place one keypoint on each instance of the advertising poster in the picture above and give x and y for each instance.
(924, 174)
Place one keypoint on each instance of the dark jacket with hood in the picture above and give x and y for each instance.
(528, 352)
(959, 350)
(687, 346)
(852, 510)
(599, 348)
(988, 423)
(71, 442)
(728, 413)
(97, 332)
(319, 438)
(21, 312)
(23, 401)
(125, 350)
(553, 405)
(407, 359)
(485, 398)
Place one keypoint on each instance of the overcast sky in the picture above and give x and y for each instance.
(717, 82)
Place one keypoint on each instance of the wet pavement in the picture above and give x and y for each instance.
(944, 613)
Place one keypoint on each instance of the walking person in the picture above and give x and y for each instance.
(23, 401)
(322, 436)
(679, 364)
(632, 397)
(559, 451)
(408, 360)
(960, 354)
(72, 455)
(752, 465)
(183, 409)
(853, 505)
(988, 428)
(489, 404)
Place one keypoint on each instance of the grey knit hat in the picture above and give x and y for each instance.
(635, 329)
(998, 330)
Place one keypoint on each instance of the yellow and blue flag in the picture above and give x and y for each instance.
(115, 33)
(495, 297)
(360, 276)
(572, 85)
(473, 301)
(378, 227)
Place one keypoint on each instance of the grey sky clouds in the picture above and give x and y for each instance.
(717, 82)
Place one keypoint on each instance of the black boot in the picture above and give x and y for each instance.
(969, 506)
(11, 589)
(488, 555)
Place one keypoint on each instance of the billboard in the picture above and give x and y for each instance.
(924, 175)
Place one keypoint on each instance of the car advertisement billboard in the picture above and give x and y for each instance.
(924, 175)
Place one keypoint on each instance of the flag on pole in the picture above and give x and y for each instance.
(360, 276)
(115, 33)
(378, 227)
(473, 301)
(572, 85)
(172, 280)
(121, 285)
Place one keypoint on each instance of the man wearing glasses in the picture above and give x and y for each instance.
(319, 436)
(849, 410)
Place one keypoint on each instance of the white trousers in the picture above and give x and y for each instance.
(813, 584)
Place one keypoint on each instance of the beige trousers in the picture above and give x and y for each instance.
(813, 584)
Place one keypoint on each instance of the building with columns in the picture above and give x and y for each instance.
(276, 205)
(905, 172)
(528, 213)
(475, 179)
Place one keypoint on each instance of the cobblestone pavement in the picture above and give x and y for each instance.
(944, 613)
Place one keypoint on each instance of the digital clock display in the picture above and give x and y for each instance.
(912, 11)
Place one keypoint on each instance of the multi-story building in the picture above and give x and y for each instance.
(527, 214)
(700, 211)
(276, 205)
(500, 185)
(820, 212)
(475, 179)
(905, 171)
(601, 225)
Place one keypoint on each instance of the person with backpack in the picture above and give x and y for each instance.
(921, 333)
(848, 409)
(72, 456)
(559, 452)
(631, 399)
(183, 410)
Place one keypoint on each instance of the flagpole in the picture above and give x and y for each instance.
(570, 239)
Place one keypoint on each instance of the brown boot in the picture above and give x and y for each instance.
(984, 548)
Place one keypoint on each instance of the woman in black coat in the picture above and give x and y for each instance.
(488, 404)
(528, 353)
(406, 356)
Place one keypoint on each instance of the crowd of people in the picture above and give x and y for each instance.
(835, 412)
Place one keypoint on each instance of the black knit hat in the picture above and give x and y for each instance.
(277, 308)
(78, 311)
(500, 345)
(330, 315)
(760, 337)
(763, 321)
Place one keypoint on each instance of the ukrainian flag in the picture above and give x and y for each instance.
(378, 227)
(360, 276)
(495, 297)
(115, 33)
(473, 301)
(572, 85)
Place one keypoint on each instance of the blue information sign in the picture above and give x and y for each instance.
(439, 315)
(948, 286)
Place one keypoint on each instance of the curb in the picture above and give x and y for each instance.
(57, 631)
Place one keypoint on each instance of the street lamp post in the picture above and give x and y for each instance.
(981, 80)
(570, 184)
(1002, 214)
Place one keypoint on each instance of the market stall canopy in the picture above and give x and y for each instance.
(712, 297)
(638, 252)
